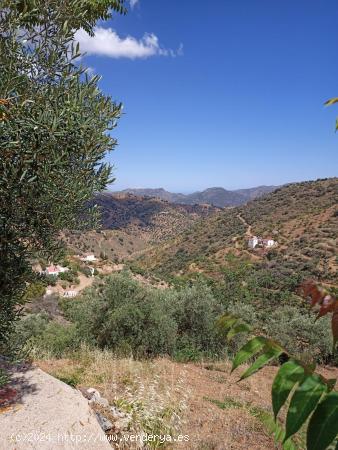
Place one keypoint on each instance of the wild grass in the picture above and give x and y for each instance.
(265, 419)
(144, 390)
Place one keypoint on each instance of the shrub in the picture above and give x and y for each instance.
(195, 311)
(125, 316)
(123, 313)
(45, 336)
(299, 333)
(34, 291)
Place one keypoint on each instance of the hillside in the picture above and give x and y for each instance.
(216, 196)
(131, 223)
(302, 217)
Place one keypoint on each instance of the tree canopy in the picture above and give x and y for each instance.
(55, 126)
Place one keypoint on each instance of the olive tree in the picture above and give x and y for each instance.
(55, 126)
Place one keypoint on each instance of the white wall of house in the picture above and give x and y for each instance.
(253, 241)
(70, 294)
(89, 258)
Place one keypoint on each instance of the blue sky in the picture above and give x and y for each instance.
(225, 93)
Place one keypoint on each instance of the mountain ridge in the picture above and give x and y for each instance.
(215, 196)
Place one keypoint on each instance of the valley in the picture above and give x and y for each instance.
(130, 224)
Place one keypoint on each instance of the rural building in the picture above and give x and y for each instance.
(89, 258)
(70, 294)
(268, 242)
(55, 270)
(255, 241)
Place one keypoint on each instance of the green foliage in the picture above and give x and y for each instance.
(195, 311)
(54, 124)
(74, 14)
(69, 276)
(124, 314)
(303, 401)
(297, 331)
(288, 375)
(45, 336)
(4, 378)
(323, 426)
(310, 393)
(34, 291)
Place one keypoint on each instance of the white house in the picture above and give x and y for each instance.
(268, 242)
(89, 258)
(253, 241)
(70, 294)
(55, 270)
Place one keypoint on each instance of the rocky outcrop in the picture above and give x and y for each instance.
(40, 412)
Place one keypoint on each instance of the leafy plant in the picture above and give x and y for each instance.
(54, 125)
(4, 378)
(312, 399)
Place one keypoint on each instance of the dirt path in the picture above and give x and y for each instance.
(248, 231)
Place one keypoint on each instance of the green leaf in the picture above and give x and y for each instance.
(330, 384)
(331, 101)
(288, 375)
(248, 350)
(323, 426)
(303, 402)
(238, 328)
(270, 352)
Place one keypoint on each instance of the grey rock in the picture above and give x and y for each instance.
(117, 413)
(105, 424)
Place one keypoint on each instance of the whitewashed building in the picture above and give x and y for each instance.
(55, 270)
(266, 243)
(89, 258)
(70, 294)
(253, 241)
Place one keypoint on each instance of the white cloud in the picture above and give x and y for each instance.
(133, 3)
(107, 42)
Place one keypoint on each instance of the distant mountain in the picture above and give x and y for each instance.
(216, 196)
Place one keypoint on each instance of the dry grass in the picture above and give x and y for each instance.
(150, 392)
(202, 401)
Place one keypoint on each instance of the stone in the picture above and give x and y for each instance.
(105, 424)
(93, 395)
(102, 402)
(117, 413)
(122, 424)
